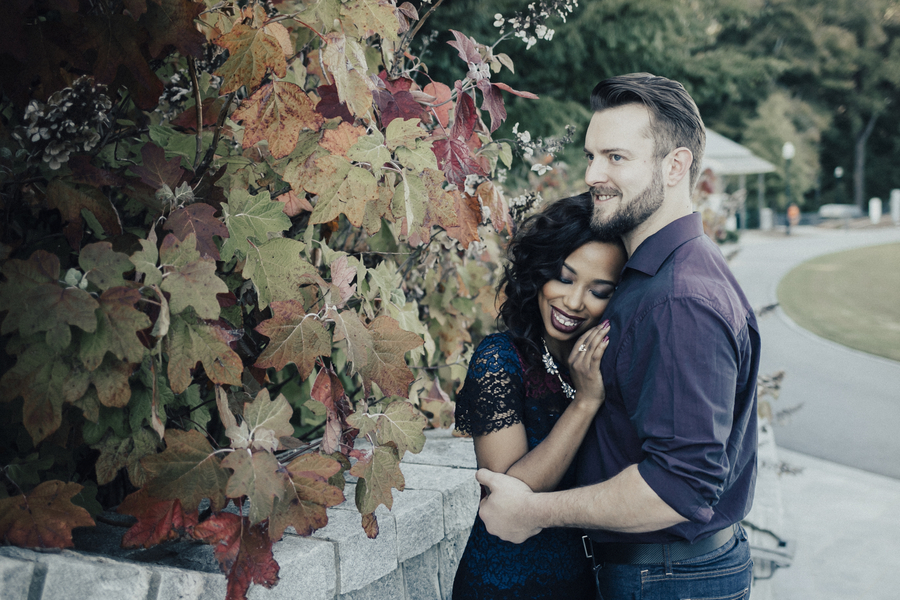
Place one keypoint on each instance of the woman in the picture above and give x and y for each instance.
(532, 391)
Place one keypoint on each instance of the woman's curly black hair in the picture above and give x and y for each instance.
(535, 256)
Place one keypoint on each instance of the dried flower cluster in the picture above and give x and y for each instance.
(71, 121)
(530, 26)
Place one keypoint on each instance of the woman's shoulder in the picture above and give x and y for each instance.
(496, 352)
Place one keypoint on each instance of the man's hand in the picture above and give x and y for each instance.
(504, 510)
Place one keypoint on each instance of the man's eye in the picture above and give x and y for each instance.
(615, 157)
(589, 157)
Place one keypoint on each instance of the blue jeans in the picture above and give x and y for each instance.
(723, 574)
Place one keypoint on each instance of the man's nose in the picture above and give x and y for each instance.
(595, 174)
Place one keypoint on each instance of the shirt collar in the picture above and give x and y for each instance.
(653, 251)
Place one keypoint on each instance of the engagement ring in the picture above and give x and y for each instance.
(582, 348)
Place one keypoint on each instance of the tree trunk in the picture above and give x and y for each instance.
(859, 169)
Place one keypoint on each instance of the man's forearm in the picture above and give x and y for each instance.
(624, 503)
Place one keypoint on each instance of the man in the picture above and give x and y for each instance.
(669, 465)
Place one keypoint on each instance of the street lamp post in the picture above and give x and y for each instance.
(787, 153)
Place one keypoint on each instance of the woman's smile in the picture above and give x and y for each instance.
(564, 322)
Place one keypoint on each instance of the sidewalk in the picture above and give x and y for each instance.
(836, 464)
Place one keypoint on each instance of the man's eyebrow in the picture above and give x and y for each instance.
(609, 151)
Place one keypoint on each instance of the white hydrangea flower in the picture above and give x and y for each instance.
(540, 169)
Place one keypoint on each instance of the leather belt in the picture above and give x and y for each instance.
(645, 554)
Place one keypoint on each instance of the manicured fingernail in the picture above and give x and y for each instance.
(606, 339)
(605, 324)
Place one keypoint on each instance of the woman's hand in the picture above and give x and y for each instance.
(584, 366)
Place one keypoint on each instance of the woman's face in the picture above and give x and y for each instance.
(574, 301)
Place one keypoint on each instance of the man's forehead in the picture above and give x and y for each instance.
(628, 122)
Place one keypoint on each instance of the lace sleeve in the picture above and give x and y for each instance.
(493, 395)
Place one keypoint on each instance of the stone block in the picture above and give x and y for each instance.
(442, 449)
(421, 574)
(168, 583)
(74, 576)
(459, 489)
(451, 551)
(389, 587)
(419, 516)
(308, 570)
(15, 578)
(362, 561)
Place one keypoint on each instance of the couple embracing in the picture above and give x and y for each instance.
(614, 419)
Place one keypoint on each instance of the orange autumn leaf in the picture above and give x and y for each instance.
(277, 112)
(44, 517)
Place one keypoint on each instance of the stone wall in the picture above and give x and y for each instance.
(414, 556)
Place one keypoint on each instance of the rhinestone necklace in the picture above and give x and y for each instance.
(552, 369)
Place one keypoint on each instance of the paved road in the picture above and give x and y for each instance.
(851, 400)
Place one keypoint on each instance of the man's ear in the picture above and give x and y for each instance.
(678, 166)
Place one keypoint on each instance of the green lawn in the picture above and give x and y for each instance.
(852, 298)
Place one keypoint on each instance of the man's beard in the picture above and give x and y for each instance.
(628, 216)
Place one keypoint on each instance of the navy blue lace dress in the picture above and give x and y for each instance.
(498, 392)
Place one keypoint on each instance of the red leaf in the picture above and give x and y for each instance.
(84, 172)
(156, 170)
(464, 116)
(244, 552)
(506, 88)
(455, 159)
(370, 525)
(493, 103)
(466, 46)
(188, 119)
(400, 84)
(294, 204)
(200, 220)
(469, 212)
(328, 390)
(43, 518)
(330, 105)
(442, 95)
(396, 101)
(158, 520)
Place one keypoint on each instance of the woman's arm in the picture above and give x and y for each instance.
(506, 450)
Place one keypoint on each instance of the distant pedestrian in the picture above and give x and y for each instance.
(793, 217)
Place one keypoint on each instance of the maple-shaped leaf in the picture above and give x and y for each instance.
(416, 158)
(376, 209)
(111, 382)
(276, 269)
(330, 104)
(200, 220)
(273, 416)
(342, 275)
(103, 266)
(258, 476)
(349, 328)
(378, 473)
(327, 389)
(145, 260)
(493, 103)
(156, 171)
(371, 17)
(443, 102)
(342, 188)
(277, 112)
(440, 208)
(403, 132)
(346, 62)
(252, 52)
(466, 46)
(250, 217)
(45, 378)
(493, 199)
(158, 521)
(456, 161)
(370, 149)
(193, 284)
(436, 402)
(175, 253)
(70, 200)
(44, 517)
(36, 302)
(307, 495)
(117, 453)
(294, 337)
(192, 340)
(118, 322)
(341, 138)
(244, 552)
(188, 470)
(385, 363)
(397, 105)
(401, 424)
(294, 204)
(409, 201)
(210, 109)
(469, 214)
(171, 23)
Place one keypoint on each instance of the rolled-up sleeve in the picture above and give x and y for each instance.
(679, 368)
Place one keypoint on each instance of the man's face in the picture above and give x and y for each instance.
(624, 176)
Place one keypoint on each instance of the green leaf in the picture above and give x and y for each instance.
(385, 363)
(404, 133)
(187, 470)
(257, 475)
(294, 337)
(378, 474)
(506, 154)
(409, 201)
(274, 415)
(402, 424)
(190, 341)
(251, 218)
(191, 283)
(371, 17)
(307, 494)
(370, 149)
(118, 322)
(275, 268)
(146, 259)
(102, 266)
